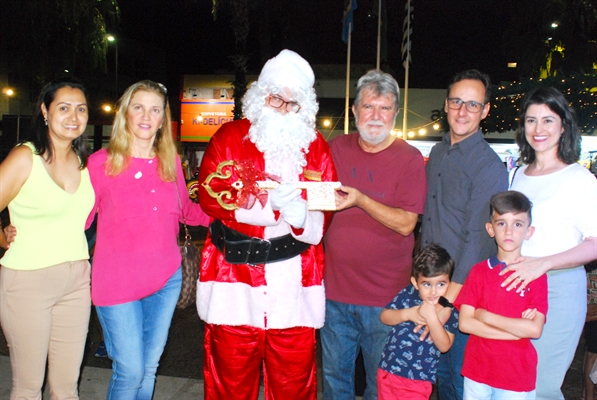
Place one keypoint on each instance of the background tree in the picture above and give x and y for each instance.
(250, 20)
(42, 39)
(562, 55)
(551, 37)
(554, 43)
(239, 23)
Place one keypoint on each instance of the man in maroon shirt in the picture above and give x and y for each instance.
(370, 242)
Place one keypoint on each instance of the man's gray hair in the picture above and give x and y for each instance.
(381, 83)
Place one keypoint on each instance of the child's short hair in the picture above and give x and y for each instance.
(510, 201)
(432, 261)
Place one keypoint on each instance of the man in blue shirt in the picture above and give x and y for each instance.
(463, 172)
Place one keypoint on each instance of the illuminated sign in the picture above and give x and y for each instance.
(201, 118)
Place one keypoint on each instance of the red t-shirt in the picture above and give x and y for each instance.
(365, 262)
(502, 364)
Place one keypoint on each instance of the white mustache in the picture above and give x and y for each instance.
(375, 123)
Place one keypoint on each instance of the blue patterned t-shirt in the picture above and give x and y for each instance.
(404, 354)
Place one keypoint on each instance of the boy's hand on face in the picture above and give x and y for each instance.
(427, 310)
(443, 313)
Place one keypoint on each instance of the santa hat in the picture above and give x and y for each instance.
(288, 69)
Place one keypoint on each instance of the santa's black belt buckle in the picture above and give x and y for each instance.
(242, 249)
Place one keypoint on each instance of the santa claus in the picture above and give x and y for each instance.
(261, 290)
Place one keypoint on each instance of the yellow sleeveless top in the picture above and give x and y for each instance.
(50, 222)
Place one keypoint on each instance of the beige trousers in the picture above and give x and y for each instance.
(45, 316)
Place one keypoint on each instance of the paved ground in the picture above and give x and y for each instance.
(94, 381)
(179, 374)
(180, 368)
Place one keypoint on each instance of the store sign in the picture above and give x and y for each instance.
(201, 118)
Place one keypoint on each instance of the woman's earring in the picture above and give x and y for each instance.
(46, 121)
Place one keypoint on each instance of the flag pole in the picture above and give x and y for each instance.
(405, 115)
(379, 34)
(406, 57)
(347, 101)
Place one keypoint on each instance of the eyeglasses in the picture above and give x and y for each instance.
(276, 102)
(471, 106)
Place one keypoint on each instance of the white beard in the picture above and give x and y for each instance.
(371, 139)
(284, 139)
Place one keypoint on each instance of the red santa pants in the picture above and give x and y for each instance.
(234, 356)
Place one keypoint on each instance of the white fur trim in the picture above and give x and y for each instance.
(288, 69)
(257, 215)
(283, 301)
(313, 231)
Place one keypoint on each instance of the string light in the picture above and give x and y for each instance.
(580, 91)
(327, 122)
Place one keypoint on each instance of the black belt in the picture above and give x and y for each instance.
(242, 249)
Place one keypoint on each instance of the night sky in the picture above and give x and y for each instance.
(163, 39)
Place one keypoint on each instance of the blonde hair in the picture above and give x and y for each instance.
(121, 140)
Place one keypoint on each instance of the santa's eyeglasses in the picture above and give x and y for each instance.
(277, 102)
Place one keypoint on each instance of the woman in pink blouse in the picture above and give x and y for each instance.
(136, 275)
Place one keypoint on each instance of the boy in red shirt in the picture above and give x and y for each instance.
(500, 361)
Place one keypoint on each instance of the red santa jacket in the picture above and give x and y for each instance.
(276, 295)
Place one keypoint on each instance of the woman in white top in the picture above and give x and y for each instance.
(564, 196)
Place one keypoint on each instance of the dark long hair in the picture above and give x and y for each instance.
(39, 135)
(569, 146)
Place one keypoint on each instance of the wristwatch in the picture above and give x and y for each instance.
(445, 302)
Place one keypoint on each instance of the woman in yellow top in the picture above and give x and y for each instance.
(44, 278)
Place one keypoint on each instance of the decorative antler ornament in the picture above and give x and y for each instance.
(244, 191)
(252, 185)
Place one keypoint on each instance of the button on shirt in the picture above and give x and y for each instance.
(460, 181)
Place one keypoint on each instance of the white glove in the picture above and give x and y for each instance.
(295, 213)
(282, 195)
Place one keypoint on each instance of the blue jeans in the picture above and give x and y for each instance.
(450, 383)
(479, 391)
(135, 334)
(347, 328)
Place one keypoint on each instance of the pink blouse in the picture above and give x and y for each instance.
(137, 249)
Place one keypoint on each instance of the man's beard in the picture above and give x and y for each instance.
(284, 139)
(371, 139)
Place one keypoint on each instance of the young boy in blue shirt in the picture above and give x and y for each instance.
(408, 365)
(500, 361)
